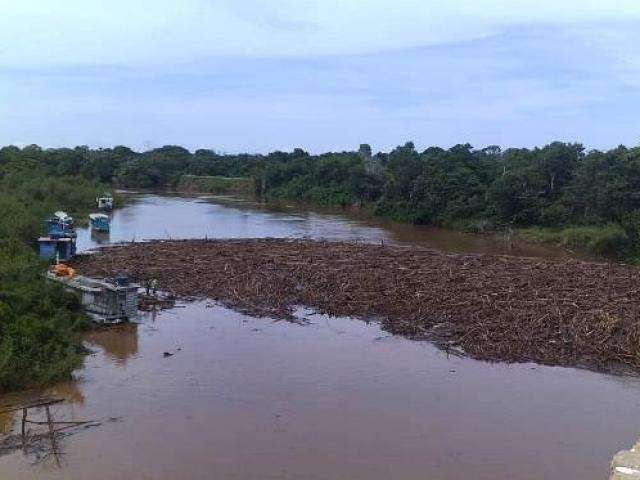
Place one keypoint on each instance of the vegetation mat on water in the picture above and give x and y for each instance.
(491, 307)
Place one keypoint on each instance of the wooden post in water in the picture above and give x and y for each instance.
(22, 430)
(52, 433)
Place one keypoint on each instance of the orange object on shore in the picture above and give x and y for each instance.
(62, 270)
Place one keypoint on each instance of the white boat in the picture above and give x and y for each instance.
(105, 202)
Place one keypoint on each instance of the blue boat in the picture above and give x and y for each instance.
(60, 242)
(99, 222)
(60, 225)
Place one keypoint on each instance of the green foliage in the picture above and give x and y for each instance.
(39, 322)
(215, 184)
(608, 240)
(472, 225)
(329, 179)
(555, 186)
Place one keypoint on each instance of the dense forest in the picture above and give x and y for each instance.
(559, 193)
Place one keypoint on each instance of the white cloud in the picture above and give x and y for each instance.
(152, 32)
(257, 75)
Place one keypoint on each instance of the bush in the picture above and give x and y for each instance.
(472, 225)
(609, 240)
(40, 322)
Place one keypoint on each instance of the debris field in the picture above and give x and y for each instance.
(568, 312)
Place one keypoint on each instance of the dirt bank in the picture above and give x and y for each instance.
(491, 307)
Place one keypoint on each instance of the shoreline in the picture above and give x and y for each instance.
(366, 212)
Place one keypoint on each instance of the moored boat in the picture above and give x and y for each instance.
(60, 242)
(99, 222)
(105, 202)
(106, 301)
(60, 225)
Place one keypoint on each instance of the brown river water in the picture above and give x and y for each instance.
(332, 398)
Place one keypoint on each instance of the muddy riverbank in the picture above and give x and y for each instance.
(568, 313)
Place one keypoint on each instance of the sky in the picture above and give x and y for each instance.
(263, 75)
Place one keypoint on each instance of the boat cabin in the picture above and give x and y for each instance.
(60, 225)
(105, 202)
(106, 301)
(99, 222)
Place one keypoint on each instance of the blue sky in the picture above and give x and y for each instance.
(258, 75)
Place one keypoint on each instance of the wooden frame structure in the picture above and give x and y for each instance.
(53, 427)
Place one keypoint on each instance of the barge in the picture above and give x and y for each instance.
(106, 301)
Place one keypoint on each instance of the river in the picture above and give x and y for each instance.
(335, 398)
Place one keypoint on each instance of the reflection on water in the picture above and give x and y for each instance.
(403, 233)
(71, 391)
(100, 238)
(337, 398)
(154, 216)
(118, 342)
(6, 422)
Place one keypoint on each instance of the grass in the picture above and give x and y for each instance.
(607, 240)
(215, 184)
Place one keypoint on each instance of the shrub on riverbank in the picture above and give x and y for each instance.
(608, 240)
(39, 321)
(215, 184)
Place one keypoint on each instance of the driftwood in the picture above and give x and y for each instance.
(491, 307)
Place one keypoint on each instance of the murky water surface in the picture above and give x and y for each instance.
(246, 398)
(153, 216)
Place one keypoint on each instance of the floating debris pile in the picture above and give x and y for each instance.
(490, 307)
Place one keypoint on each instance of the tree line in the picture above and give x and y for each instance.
(592, 198)
(555, 186)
